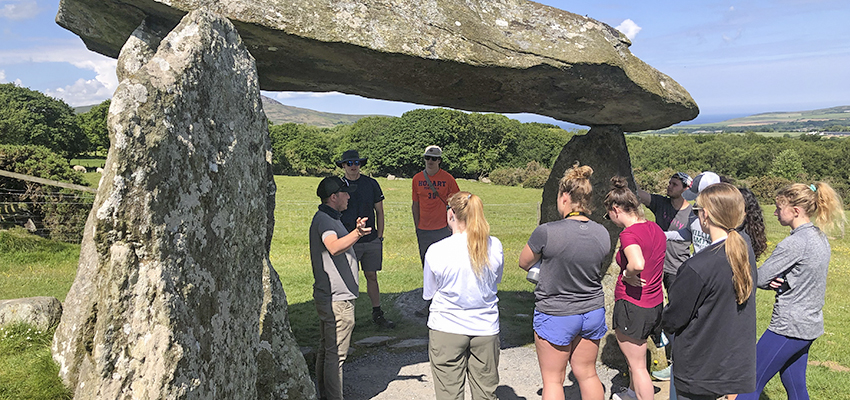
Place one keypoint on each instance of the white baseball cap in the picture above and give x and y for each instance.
(702, 181)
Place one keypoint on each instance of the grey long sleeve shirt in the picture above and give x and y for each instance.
(804, 257)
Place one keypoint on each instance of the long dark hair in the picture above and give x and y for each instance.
(754, 222)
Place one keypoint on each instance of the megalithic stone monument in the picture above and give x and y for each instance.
(506, 56)
(175, 297)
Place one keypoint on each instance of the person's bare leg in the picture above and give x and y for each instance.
(583, 362)
(553, 361)
(372, 287)
(635, 352)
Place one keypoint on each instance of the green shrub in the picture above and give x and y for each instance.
(765, 187)
(56, 213)
(535, 175)
(506, 176)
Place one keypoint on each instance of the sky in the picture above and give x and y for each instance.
(735, 58)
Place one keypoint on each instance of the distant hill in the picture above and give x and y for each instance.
(281, 114)
(791, 121)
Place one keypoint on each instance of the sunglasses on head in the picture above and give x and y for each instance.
(431, 158)
(350, 163)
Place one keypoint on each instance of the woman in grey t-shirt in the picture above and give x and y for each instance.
(797, 271)
(569, 315)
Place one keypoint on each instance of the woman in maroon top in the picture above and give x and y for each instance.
(638, 295)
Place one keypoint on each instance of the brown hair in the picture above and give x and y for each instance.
(469, 209)
(622, 197)
(724, 207)
(576, 182)
(818, 200)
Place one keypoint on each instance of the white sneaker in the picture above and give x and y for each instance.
(627, 394)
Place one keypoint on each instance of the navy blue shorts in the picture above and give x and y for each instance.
(561, 331)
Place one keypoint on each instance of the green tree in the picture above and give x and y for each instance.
(28, 117)
(787, 164)
(93, 124)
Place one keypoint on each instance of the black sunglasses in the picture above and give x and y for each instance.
(606, 216)
(431, 158)
(350, 163)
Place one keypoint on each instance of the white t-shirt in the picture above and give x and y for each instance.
(461, 303)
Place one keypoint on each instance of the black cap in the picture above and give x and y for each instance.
(331, 185)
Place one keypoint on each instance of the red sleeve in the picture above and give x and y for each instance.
(628, 237)
(453, 188)
(413, 188)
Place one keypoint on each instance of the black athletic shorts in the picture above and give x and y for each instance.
(636, 322)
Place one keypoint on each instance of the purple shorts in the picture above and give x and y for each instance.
(561, 331)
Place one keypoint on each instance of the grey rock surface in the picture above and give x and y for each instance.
(506, 56)
(175, 297)
(42, 312)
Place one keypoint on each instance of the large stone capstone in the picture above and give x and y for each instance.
(507, 56)
(175, 297)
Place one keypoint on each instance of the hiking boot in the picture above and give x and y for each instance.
(627, 394)
(379, 319)
(664, 374)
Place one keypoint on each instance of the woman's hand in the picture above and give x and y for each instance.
(635, 280)
(776, 282)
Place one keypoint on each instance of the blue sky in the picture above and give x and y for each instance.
(734, 57)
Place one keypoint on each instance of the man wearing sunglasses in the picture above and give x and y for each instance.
(431, 190)
(672, 212)
(367, 202)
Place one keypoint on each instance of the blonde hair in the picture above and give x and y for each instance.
(469, 209)
(724, 206)
(621, 196)
(576, 182)
(818, 200)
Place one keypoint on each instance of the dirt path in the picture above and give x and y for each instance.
(405, 374)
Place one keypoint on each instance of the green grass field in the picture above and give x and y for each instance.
(36, 267)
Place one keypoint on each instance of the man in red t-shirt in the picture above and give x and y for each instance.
(431, 190)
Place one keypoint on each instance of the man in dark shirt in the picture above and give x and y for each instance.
(671, 214)
(367, 201)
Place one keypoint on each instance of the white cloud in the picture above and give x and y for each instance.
(629, 28)
(83, 92)
(2, 76)
(20, 10)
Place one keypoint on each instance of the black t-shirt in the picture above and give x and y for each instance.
(362, 204)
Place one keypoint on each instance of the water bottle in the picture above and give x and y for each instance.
(534, 273)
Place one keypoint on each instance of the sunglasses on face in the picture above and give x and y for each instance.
(350, 163)
(430, 158)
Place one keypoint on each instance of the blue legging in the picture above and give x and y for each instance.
(785, 355)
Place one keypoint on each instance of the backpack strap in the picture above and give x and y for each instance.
(431, 185)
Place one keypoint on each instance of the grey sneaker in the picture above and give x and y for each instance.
(379, 319)
(627, 394)
(664, 374)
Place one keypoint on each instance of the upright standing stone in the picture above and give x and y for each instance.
(175, 297)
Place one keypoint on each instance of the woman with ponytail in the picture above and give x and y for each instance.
(797, 271)
(638, 294)
(569, 307)
(460, 277)
(712, 304)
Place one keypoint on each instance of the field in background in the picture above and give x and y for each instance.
(36, 267)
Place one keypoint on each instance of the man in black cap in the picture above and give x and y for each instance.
(367, 202)
(336, 286)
